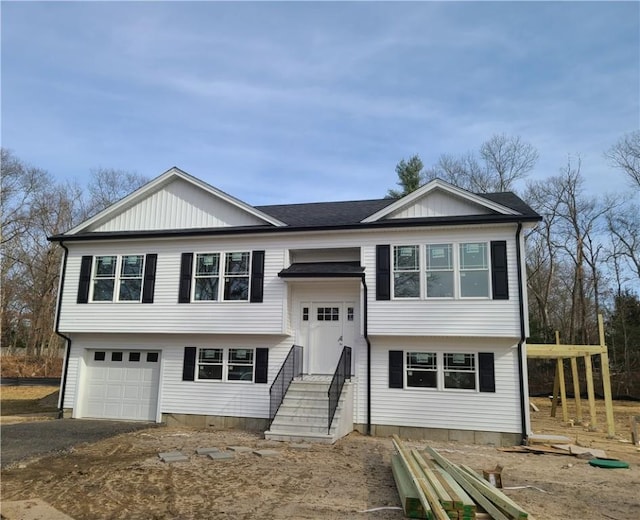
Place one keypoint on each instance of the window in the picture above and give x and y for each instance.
(240, 364)
(439, 271)
(134, 356)
(219, 364)
(328, 313)
(236, 281)
(207, 277)
(460, 371)
(305, 314)
(116, 356)
(349, 313)
(474, 270)
(210, 363)
(121, 272)
(406, 272)
(207, 286)
(99, 356)
(422, 369)
(152, 357)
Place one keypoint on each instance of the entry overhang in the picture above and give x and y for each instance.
(324, 270)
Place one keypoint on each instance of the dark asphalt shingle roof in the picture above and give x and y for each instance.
(353, 212)
(323, 269)
(325, 213)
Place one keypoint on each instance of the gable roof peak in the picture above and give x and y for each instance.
(154, 185)
(439, 184)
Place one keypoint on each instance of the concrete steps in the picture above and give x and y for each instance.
(303, 414)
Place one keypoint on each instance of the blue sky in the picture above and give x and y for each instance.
(297, 102)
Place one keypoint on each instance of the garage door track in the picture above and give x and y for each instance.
(25, 440)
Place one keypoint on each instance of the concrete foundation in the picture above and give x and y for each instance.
(443, 435)
(216, 422)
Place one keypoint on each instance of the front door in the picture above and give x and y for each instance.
(330, 326)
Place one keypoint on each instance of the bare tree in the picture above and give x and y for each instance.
(108, 185)
(502, 161)
(36, 206)
(625, 154)
(509, 158)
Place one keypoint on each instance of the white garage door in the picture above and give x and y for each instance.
(122, 384)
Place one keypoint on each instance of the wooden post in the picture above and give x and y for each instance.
(576, 388)
(556, 383)
(590, 392)
(556, 389)
(563, 389)
(606, 381)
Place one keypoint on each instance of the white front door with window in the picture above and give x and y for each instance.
(328, 327)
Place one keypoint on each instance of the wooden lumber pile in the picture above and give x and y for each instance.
(434, 488)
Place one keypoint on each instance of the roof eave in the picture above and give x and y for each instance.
(384, 224)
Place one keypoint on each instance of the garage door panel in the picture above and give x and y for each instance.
(121, 385)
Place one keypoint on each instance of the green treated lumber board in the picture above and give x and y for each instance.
(495, 495)
(423, 499)
(442, 494)
(427, 495)
(406, 490)
(463, 479)
(467, 505)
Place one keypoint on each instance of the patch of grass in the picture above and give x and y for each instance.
(23, 406)
(17, 400)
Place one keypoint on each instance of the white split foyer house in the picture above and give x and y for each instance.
(184, 305)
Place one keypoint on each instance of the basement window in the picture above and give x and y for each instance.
(460, 371)
(422, 369)
(226, 364)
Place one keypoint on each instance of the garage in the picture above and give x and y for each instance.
(121, 384)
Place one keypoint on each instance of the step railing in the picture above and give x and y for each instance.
(342, 373)
(291, 368)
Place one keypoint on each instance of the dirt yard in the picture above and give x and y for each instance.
(123, 478)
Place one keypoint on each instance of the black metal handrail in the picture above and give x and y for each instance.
(291, 367)
(342, 373)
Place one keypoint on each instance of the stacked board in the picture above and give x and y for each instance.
(434, 488)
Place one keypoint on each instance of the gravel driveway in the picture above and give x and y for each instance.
(30, 439)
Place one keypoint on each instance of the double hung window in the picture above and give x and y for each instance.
(117, 278)
(422, 369)
(220, 364)
(440, 271)
(207, 274)
(474, 270)
(406, 272)
(460, 371)
(457, 370)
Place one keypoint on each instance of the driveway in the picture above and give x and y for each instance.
(25, 440)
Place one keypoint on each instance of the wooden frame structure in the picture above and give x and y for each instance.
(561, 352)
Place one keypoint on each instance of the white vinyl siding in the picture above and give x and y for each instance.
(423, 317)
(445, 316)
(175, 395)
(179, 205)
(166, 315)
(439, 204)
(447, 409)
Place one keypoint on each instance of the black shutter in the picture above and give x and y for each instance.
(383, 272)
(85, 279)
(149, 284)
(186, 264)
(499, 274)
(487, 372)
(396, 369)
(189, 366)
(257, 276)
(262, 365)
